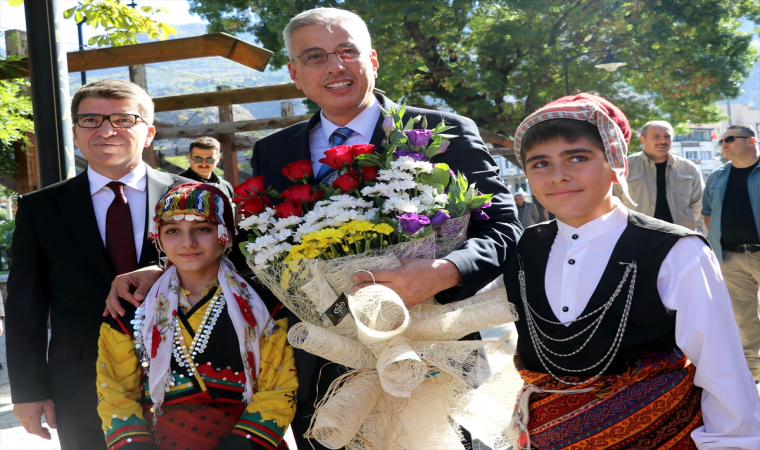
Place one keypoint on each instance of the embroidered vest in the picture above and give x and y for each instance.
(650, 327)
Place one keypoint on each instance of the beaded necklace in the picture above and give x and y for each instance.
(540, 347)
(185, 356)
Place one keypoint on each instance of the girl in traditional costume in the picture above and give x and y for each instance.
(202, 363)
(627, 336)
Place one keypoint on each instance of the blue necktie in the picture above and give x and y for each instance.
(338, 137)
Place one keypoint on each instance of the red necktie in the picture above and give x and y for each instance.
(120, 239)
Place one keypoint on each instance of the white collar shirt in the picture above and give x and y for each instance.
(691, 286)
(363, 126)
(135, 184)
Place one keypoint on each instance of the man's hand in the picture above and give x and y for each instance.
(132, 287)
(30, 417)
(416, 280)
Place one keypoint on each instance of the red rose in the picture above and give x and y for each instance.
(155, 342)
(347, 181)
(301, 192)
(298, 171)
(254, 206)
(338, 156)
(245, 308)
(289, 208)
(369, 173)
(360, 149)
(254, 185)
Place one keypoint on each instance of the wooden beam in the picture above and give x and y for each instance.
(232, 97)
(229, 155)
(229, 127)
(217, 44)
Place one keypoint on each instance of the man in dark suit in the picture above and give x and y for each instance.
(333, 63)
(71, 240)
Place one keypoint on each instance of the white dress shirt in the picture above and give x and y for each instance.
(363, 126)
(135, 183)
(691, 286)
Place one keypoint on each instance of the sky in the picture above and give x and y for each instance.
(12, 17)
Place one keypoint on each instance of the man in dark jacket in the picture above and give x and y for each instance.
(204, 156)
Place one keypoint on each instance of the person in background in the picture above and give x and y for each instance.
(527, 212)
(731, 208)
(204, 156)
(663, 185)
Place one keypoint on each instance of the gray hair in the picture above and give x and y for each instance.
(117, 89)
(657, 123)
(328, 17)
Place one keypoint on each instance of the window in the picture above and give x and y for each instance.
(692, 155)
(705, 155)
(694, 135)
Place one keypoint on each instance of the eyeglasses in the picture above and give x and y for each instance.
(317, 57)
(198, 159)
(117, 120)
(730, 139)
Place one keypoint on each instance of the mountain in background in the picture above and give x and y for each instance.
(194, 76)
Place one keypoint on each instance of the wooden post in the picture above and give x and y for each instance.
(229, 156)
(138, 76)
(27, 179)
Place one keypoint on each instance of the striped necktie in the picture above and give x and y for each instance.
(338, 137)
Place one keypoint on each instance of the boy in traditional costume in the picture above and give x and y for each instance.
(202, 364)
(627, 337)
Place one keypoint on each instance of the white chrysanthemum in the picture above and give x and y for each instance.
(287, 222)
(408, 164)
(261, 243)
(272, 254)
(395, 175)
(401, 205)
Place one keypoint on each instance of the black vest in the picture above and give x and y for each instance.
(650, 328)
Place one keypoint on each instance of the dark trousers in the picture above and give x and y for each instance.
(76, 405)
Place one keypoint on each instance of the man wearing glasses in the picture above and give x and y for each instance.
(663, 185)
(333, 63)
(731, 207)
(204, 156)
(71, 240)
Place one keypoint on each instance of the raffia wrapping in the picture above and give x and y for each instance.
(412, 380)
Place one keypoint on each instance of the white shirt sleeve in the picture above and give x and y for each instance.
(690, 282)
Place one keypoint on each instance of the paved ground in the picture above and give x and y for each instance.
(13, 436)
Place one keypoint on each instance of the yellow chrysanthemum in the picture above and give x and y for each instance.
(384, 228)
(331, 235)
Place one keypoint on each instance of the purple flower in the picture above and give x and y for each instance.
(417, 156)
(388, 124)
(440, 217)
(419, 138)
(443, 147)
(478, 214)
(412, 223)
(486, 204)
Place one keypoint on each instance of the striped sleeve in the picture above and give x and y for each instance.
(119, 391)
(267, 417)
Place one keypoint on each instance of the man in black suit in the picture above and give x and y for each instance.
(71, 240)
(333, 63)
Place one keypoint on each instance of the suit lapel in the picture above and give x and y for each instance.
(79, 214)
(379, 135)
(156, 186)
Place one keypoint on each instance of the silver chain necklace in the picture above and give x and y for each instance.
(539, 346)
(185, 356)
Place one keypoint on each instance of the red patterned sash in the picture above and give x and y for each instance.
(654, 405)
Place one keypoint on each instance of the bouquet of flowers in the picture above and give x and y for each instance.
(382, 205)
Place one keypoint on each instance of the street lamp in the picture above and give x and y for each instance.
(610, 64)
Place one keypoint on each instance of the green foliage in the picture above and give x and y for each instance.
(497, 61)
(15, 119)
(121, 23)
